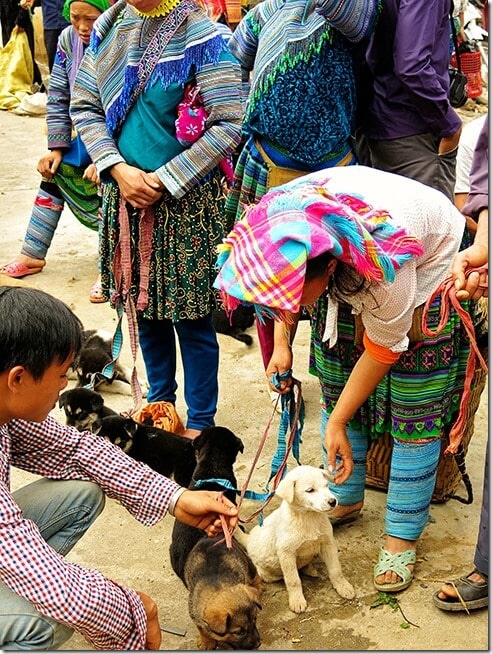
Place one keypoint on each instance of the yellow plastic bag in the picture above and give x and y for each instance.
(16, 70)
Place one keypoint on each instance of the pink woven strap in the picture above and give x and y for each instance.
(122, 272)
(146, 227)
(296, 384)
(122, 262)
(447, 291)
(225, 527)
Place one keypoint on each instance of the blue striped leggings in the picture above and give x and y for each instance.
(411, 483)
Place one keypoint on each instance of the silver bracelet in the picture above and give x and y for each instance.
(174, 499)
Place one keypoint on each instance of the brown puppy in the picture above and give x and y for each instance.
(225, 595)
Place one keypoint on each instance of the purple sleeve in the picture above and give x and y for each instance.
(478, 196)
(418, 55)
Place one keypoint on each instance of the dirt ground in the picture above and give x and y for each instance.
(138, 556)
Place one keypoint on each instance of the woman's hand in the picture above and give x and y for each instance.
(337, 442)
(153, 638)
(280, 363)
(202, 509)
(90, 173)
(137, 187)
(281, 360)
(48, 165)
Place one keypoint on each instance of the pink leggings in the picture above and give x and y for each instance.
(265, 338)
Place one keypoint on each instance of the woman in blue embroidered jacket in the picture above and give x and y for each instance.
(162, 201)
(303, 55)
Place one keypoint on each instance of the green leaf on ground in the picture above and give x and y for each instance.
(385, 598)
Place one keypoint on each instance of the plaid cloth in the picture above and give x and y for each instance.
(263, 259)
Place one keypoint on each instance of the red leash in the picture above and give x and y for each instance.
(447, 291)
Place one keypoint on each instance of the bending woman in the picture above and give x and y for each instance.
(360, 241)
(162, 201)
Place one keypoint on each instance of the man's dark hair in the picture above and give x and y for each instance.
(36, 330)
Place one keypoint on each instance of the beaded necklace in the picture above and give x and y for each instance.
(163, 8)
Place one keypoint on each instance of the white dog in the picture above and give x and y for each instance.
(295, 532)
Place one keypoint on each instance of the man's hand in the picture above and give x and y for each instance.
(153, 638)
(449, 143)
(202, 509)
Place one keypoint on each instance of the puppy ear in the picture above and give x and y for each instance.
(217, 620)
(328, 475)
(62, 400)
(286, 489)
(254, 595)
(97, 402)
(240, 445)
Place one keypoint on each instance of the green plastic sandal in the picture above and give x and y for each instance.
(397, 563)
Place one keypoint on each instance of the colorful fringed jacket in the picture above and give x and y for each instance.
(131, 80)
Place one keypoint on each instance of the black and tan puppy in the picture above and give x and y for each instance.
(164, 451)
(96, 353)
(224, 585)
(216, 449)
(225, 594)
(84, 409)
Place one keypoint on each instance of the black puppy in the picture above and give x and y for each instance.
(234, 325)
(84, 409)
(96, 353)
(216, 449)
(164, 451)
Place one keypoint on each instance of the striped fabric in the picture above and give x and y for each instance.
(80, 194)
(184, 237)
(411, 483)
(109, 73)
(302, 103)
(418, 398)
(296, 31)
(263, 260)
(69, 52)
(354, 18)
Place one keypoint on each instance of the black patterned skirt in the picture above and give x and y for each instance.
(181, 245)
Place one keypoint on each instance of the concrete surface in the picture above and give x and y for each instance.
(138, 556)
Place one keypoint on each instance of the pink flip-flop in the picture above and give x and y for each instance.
(96, 295)
(18, 269)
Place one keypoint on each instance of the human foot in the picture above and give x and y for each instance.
(96, 295)
(464, 594)
(345, 513)
(394, 569)
(22, 266)
(191, 433)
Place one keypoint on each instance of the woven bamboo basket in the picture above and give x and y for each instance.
(448, 474)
